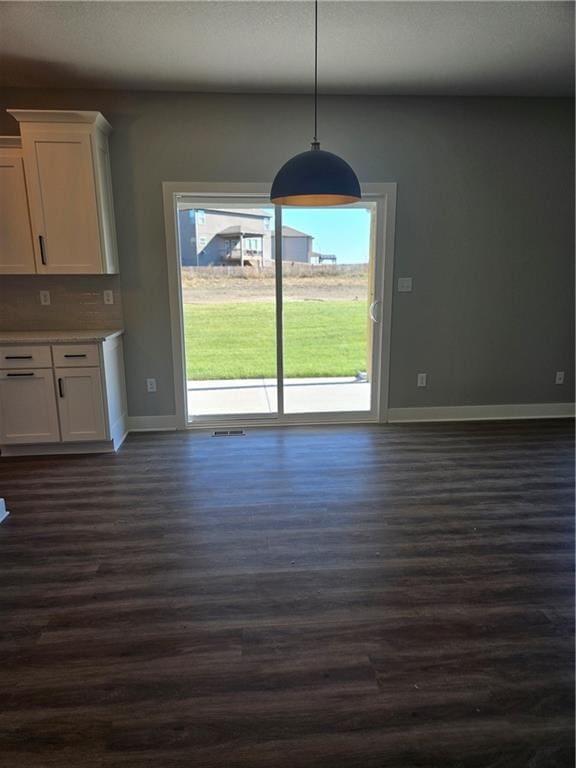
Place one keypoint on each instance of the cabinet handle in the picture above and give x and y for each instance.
(21, 374)
(60, 388)
(17, 357)
(42, 252)
(75, 355)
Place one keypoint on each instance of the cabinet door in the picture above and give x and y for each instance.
(28, 407)
(60, 174)
(16, 245)
(80, 404)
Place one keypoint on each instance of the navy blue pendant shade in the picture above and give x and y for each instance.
(315, 178)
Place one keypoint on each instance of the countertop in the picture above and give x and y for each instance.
(58, 337)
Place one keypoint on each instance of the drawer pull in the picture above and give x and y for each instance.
(21, 374)
(17, 357)
(60, 388)
(75, 355)
(42, 251)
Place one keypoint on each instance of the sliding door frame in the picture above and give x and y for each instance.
(384, 195)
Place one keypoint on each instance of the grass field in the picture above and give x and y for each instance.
(237, 340)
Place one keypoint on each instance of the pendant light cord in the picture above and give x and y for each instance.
(315, 71)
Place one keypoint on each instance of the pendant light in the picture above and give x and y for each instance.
(315, 177)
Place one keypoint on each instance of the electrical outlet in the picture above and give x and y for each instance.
(151, 385)
(45, 298)
(108, 297)
(559, 377)
(404, 284)
(422, 380)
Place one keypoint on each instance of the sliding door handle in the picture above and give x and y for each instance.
(372, 311)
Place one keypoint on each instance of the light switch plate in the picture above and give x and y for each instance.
(404, 284)
(151, 385)
(559, 377)
(422, 379)
(108, 297)
(45, 298)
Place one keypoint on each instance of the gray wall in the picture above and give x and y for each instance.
(484, 224)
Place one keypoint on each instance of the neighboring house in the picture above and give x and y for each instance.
(320, 258)
(296, 245)
(220, 236)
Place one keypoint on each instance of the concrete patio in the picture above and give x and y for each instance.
(259, 396)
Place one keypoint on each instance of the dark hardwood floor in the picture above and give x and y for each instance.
(395, 597)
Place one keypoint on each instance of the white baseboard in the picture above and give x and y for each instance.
(151, 423)
(483, 412)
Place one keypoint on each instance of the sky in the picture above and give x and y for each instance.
(342, 231)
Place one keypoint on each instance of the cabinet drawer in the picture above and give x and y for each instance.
(25, 357)
(70, 355)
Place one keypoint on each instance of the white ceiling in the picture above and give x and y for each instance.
(466, 47)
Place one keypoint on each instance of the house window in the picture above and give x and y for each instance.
(201, 216)
(253, 244)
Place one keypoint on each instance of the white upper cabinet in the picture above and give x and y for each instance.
(63, 197)
(16, 247)
(67, 167)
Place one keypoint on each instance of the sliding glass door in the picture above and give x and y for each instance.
(228, 279)
(280, 311)
(326, 282)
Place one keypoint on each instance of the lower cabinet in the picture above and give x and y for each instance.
(28, 411)
(80, 404)
(71, 393)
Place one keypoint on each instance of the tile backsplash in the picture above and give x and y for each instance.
(76, 302)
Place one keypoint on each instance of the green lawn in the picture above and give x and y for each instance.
(237, 341)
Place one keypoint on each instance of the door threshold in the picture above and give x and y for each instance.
(314, 420)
